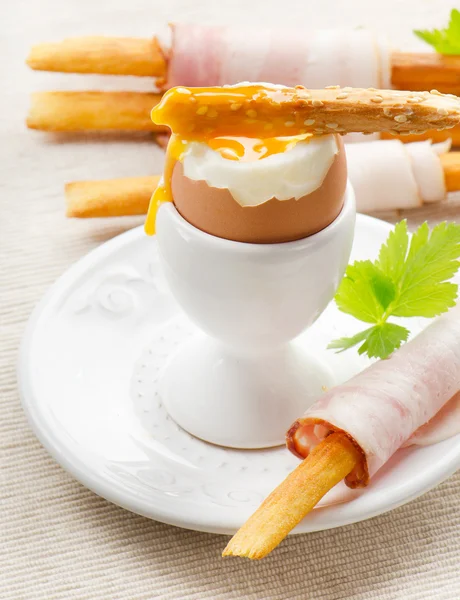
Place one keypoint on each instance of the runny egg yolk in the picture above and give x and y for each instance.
(249, 149)
(231, 148)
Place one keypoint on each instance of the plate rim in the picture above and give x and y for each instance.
(326, 517)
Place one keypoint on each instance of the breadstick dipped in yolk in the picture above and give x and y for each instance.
(261, 111)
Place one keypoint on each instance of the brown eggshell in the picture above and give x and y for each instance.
(215, 211)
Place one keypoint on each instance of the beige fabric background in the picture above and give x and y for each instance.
(60, 541)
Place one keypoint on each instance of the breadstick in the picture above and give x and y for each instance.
(425, 71)
(82, 111)
(451, 166)
(104, 55)
(327, 464)
(110, 197)
(262, 111)
(431, 134)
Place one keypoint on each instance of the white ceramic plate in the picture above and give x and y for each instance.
(88, 375)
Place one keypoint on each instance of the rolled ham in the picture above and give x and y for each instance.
(390, 175)
(207, 56)
(385, 405)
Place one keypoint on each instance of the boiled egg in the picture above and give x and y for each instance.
(260, 191)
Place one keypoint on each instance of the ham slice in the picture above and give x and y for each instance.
(443, 425)
(427, 169)
(390, 175)
(207, 56)
(382, 177)
(382, 407)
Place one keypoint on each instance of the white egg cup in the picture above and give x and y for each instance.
(241, 381)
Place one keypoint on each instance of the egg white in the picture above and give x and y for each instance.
(294, 173)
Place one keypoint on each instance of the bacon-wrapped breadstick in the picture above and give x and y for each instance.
(385, 175)
(211, 55)
(363, 422)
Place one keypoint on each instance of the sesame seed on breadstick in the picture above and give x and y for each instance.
(262, 110)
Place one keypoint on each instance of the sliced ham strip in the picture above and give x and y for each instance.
(445, 424)
(390, 175)
(195, 57)
(427, 170)
(381, 175)
(382, 407)
(207, 56)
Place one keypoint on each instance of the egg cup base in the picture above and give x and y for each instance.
(240, 401)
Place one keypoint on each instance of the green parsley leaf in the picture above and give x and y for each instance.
(444, 41)
(345, 343)
(427, 301)
(365, 292)
(419, 239)
(432, 260)
(393, 253)
(383, 288)
(410, 278)
(378, 341)
(383, 340)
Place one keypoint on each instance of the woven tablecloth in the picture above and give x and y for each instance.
(59, 540)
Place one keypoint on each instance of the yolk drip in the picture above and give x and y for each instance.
(231, 148)
(174, 152)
